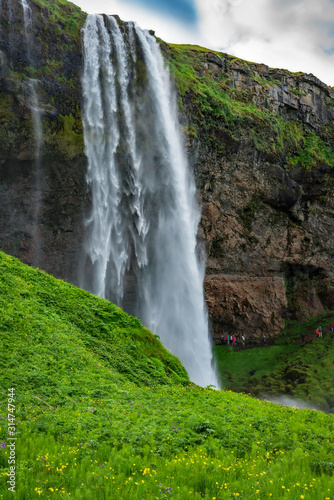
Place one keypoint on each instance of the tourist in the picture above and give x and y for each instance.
(320, 331)
(243, 339)
(227, 339)
(332, 327)
(303, 337)
(264, 340)
(317, 332)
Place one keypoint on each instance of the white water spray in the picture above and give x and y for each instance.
(27, 16)
(291, 402)
(27, 21)
(38, 135)
(33, 105)
(141, 235)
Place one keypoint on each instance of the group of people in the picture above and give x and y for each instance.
(318, 331)
(232, 339)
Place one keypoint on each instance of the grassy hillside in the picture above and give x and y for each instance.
(103, 411)
(299, 369)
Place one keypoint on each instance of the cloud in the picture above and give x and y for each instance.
(294, 34)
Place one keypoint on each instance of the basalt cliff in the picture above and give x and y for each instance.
(260, 141)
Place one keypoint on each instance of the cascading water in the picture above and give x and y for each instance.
(32, 102)
(38, 136)
(27, 19)
(140, 249)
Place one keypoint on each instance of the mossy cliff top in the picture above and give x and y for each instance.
(287, 117)
(48, 52)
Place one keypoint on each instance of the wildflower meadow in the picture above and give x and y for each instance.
(104, 411)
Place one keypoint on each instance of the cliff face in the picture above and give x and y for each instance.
(260, 142)
(43, 188)
(264, 168)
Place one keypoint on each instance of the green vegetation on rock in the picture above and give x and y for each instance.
(290, 367)
(8, 123)
(69, 15)
(216, 109)
(65, 138)
(55, 65)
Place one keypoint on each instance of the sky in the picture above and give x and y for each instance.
(297, 35)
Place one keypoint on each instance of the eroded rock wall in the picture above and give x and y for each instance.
(267, 226)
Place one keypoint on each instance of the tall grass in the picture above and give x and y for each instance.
(104, 411)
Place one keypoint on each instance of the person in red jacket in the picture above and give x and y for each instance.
(317, 333)
(332, 327)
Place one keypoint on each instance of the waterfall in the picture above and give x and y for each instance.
(27, 22)
(27, 16)
(141, 235)
(38, 136)
(33, 105)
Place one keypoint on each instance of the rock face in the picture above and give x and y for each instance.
(260, 142)
(264, 248)
(249, 305)
(297, 96)
(267, 223)
(55, 243)
(43, 193)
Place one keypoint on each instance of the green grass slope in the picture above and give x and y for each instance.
(53, 321)
(103, 411)
(303, 370)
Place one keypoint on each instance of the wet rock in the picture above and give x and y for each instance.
(252, 305)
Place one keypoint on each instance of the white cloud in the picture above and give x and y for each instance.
(289, 34)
